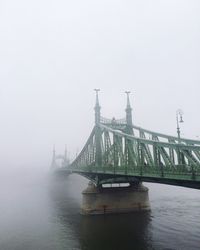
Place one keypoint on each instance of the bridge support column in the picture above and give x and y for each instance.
(98, 200)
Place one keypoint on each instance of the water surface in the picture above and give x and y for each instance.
(37, 212)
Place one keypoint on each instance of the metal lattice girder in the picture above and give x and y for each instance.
(197, 154)
(119, 150)
(191, 158)
(117, 147)
(156, 135)
(131, 156)
(88, 150)
(161, 147)
(147, 154)
(145, 150)
(110, 150)
(165, 156)
(107, 145)
(171, 151)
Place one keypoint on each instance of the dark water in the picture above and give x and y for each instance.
(38, 213)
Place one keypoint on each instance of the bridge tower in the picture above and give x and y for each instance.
(128, 130)
(97, 108)
(66, 160)
(129, 121)
(98, 153)
(53, 162)
(100, 200)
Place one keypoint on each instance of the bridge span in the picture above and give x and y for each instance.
(117, 151)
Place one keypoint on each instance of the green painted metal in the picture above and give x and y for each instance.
(117, 147)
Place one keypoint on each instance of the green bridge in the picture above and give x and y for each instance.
(117, 151)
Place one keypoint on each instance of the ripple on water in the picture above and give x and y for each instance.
(176, 218)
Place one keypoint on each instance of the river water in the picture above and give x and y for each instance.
(41, 213)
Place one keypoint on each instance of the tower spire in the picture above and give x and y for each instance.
(65, 159)
(128, 101)
(54, 151)
(65, 155)
(53, 163)
(128, 110)
(97, 108)
(98, 153)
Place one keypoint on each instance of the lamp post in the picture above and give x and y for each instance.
(179, 119)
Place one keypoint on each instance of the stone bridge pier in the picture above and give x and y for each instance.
(121, 199)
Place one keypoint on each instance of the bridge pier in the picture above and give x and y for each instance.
(98, 200)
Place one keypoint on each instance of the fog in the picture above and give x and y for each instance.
(54, 53)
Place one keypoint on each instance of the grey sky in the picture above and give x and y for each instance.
(54, 53)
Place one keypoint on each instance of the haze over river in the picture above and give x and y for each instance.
(37, 212)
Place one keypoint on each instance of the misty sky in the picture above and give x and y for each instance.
(54, 53)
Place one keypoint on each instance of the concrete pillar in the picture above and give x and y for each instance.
(114, 200)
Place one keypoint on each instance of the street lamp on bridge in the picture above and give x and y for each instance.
(97, 90)
(179, 119)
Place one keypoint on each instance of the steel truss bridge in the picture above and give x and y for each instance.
(118, 151)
